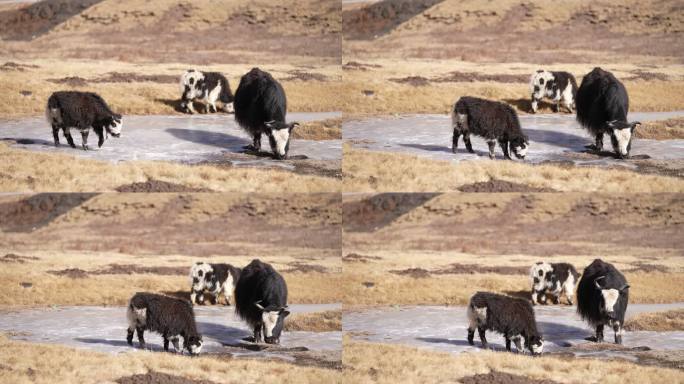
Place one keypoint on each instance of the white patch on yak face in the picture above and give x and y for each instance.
(197, 273)
(281, 137)
(537, 349)
(270, 319)
(195, 349)
(476, 316)
(623, 137)
(610, 297)
(538, 82)
(520, 151)
(539, 272)
(115, 127)
(189, 80)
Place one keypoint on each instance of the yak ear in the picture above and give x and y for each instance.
(596, 282)
(293, 125)
(624, 287)
(270, 125)
(259, 305)
(284, 313)
(635, 124)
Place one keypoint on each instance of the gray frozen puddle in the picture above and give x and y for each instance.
(445, 328)
(104, 329)
(186, 138)
(553, 137)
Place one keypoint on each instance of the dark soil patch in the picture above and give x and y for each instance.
(415, 81)
(644, 267)
(368, 284)
(72, 273)
(470, 269)
(12, 66)
(495, 185)
(153, 377)
(378, 211)
(128, 77)
(496, 377)
(39, 18)
(416, 273)
(129, 269)
(25, 93)
(323, 168)
(26, 284)
(305, 268)
(39, 210)
(380, 18)
(72, 81)
(640, 74)
(12, 258)
(305, 76)
(470, 77)
(355, 257)
(355, 65)
(158, 186)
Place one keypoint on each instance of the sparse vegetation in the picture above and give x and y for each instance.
(326, 321)
(657, 321)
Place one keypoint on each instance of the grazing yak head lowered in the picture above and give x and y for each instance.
(273, 319)
(602, 106)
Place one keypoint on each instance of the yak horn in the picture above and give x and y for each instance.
(259, 305)
(596, 282)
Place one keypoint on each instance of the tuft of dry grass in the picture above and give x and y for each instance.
(669, 129)
(326, 321)
(27, 171)
(369, 171)
(657, 321)
(328, 129)
(24, 363)
(383, 363)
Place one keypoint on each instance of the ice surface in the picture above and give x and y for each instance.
(184, 138)
(104, 328)
(445, 328)
(552, 137)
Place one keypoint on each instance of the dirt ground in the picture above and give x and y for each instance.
(441, 248)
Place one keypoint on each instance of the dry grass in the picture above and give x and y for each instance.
(438, 97)
(24, 362)
(326, 321)
(27, 171)
(367, 171)
(116, 289)
(657, 321)
(382, 363)
(669, 129)
(389, 288)
(328, 129)
(149, 97)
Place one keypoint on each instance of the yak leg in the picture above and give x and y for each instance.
(129, 336)
(257, 333)
(189, 105)
(141, 337)
(599, 333)
(84, 137)
(599, 142)
(471, 336)
(468, 144)
(483, 339)
(166, 343)
(175, 344)
(55, 134)
(518, 346)
(67, 134)
(508, 343)
(454, 140)
(504, 148)
(534, 105)
(617, 328)
(492, 146)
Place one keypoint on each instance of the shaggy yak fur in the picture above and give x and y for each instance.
(602, 297)
(489, 119)
(553, 279)
(602, 106)
(261, 300)
(260, 108)
(81, 110)
(217, 279)
(207, 88)
(513, 317)
(171, 317)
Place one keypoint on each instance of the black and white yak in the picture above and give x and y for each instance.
(602, 106)
(561, 87)
(602, 297)
(496, 122)
(169, 316)
(215, 279)
(261, 300)
(513, 317)
(83, 111)
(553, 279)
(207, 88)
(260, 108)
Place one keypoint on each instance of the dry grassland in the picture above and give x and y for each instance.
(326, 321)
(28, 171)
(669, 129)
(150, 88)
(328, 129)
(68, 278)
(666, 321)
(24, 362)
(368, 171)
(383, 363)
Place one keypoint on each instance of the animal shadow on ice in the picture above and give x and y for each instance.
(29, 141)
(116, 343)
(440, 340)
(217, 139)
(441, 148)
(223, 334)
(559, 333)
(556, 138)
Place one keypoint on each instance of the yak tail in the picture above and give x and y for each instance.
(226, 96)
